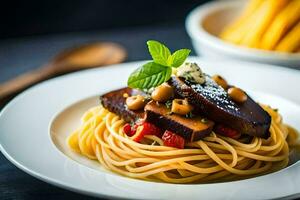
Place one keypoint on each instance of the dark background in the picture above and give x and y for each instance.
(35, 17)
(32, 31)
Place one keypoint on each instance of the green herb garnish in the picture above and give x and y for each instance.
(190, 115)
(159, 70)
(169, 104)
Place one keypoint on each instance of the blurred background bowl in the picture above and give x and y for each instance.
(205, 23)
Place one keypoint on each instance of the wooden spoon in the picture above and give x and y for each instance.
(73, 59)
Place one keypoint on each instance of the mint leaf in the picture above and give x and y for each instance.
(159, 52)
(159, 70)
(149, 75)
(178, 57)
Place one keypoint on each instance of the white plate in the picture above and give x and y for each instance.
(25, 139)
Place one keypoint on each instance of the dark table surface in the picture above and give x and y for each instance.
(23, 54)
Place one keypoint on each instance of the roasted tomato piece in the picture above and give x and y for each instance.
(172, 140)
(145, 129)
(151, 129)
(127, 130)
(226, 131)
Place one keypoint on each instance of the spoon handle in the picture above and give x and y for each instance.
(25, 80)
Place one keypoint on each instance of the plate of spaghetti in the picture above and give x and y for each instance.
(173, 127)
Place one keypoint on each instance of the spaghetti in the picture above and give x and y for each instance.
(214, 158)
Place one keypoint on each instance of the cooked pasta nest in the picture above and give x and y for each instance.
(213, 159)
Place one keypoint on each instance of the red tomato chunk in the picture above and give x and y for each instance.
(172, 140)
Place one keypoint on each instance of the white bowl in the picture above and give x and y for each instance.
(205, 23)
